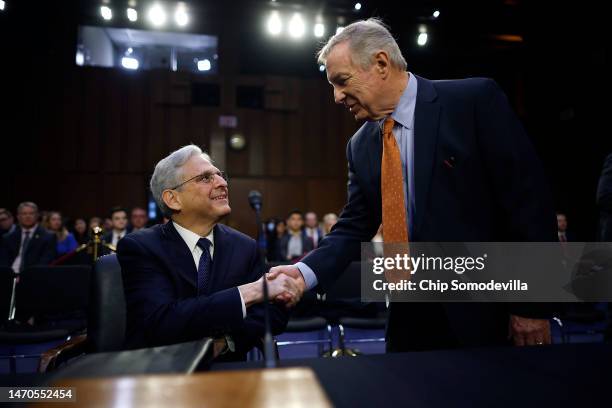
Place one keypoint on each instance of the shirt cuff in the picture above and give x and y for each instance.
(308, 274)
(243, 305)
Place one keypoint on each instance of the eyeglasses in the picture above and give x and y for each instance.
(205, 178)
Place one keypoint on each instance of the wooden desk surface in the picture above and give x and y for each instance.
(286, 387)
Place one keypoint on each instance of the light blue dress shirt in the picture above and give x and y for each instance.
(403, 115)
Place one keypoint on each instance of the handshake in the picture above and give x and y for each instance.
(285, 285)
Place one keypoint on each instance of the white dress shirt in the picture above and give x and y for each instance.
(17, 261)
(191, 239)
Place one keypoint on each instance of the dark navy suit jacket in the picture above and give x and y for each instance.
(41, 249)
(493, 190)
(159, 276)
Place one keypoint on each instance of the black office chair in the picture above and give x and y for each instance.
(56, 297)
(106, 335)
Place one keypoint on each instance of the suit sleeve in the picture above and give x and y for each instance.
(153, 305)
(49, 250)
(342, 245)
(517, 178)
(604, 189)
(253, 329)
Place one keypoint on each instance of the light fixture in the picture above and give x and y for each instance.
(339, 29)
(2, 4)
(180, 15)
(357, 6)
(129, 63)
(237, 142)
(422, 39)
(319, 30)
(436, 14)
(80, 58)
(106, 12)
(321, 68)
(275, 25)
(132, 14)
(204, 65)
(157, 15)
(296, 26)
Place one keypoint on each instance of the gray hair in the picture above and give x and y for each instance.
(168, 173)
(30, 204)
(366, 38)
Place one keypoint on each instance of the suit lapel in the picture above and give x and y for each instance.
(224, 250)
(180, 257)
(426, 124)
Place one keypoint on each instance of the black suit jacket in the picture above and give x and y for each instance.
(41, 249)
(604, 201)
(494, 190)
(283, 245)
(163, 307)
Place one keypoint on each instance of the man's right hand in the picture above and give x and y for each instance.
(292, 271)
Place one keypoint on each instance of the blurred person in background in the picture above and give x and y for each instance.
(81, 234)
(7, 222)
(65, 240)
(138, 219)
(118, 228)
(329, 220)
(311, 228)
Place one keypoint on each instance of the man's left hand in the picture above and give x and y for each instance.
(529, 332)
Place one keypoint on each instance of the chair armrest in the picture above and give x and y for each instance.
(63, 352)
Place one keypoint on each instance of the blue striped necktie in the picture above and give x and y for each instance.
(204, 266)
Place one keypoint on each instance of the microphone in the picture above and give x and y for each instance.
(255, 201)
(269, 355)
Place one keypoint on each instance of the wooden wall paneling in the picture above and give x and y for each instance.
(78, 196)
(90, 126)
(325, 195)
(135, 126)
(127, 190)
(70, 117)
(237, 164)
(276, 142)
(253, 130)
(242, 217)
(200, 123)
(310, 110)
(176, 127)
(156, 146)
(36, 187)
(111, 118)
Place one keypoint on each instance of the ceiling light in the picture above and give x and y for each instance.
(357, 6)
(422, 39)
(296, 26)
(180, 16)
(132, 14)
(436, 14)
(129, 63)
(2, 4)
(275, 24)
(339, 29)
(319, 30)
(204, 65)
(157, 15)
(106, 12)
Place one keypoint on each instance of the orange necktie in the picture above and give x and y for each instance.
(395, 230)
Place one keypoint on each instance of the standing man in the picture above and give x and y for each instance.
(29, 244)
(436, 161)
(193, 277)
(7, 223)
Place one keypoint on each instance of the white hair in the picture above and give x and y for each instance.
(168, 173)
(365, 39)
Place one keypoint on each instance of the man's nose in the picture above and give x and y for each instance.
(339, 96)
(219, 181)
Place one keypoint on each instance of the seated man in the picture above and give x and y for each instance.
(119, 222)
(29, 244)
(192, 277)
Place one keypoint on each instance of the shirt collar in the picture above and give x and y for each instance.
(404, 111)
(191, 238)
(30, 230)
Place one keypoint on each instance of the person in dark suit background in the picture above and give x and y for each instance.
(436, 161)
(311, 228)
(7, 222)
(562, 231)
(294, 244)
(29, 244)
(193, 277)
(119, 224)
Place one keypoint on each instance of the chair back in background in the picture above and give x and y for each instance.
(107, 314)
(6, 289)
(48, 290)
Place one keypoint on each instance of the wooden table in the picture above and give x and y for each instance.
(286, 387)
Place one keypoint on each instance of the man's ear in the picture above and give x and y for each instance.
(381, 60)
(172, 200)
